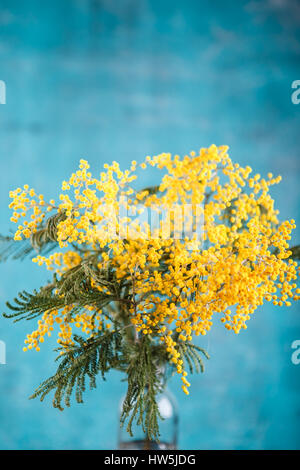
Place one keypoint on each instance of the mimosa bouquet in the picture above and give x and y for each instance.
(138, 274)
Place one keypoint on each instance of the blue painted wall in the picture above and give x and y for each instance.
(118, 80)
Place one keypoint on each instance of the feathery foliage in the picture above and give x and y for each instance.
(43, 241)
(85, 360)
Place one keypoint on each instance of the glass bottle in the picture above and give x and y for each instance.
(168, 427)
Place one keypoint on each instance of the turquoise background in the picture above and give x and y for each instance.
(117, 80)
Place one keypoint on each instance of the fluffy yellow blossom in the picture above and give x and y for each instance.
(180, 283)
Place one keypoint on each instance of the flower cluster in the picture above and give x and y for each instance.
(232, 256)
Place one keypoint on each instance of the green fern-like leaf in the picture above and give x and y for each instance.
(84, 360)
(140, 404)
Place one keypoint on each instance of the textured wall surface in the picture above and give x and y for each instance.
(117, 80)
